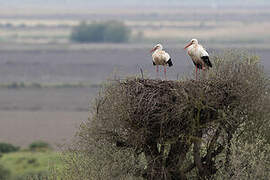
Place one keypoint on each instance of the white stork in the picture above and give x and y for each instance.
(199, 55)
(160, 57)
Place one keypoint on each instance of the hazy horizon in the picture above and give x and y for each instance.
(71, 4)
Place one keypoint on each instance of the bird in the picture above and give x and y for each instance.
(198, 55)
(160, 57)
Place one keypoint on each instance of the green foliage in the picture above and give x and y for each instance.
(4, 173)
(25, 165)
(247, 160)
(6, 148)
(39, 145)
(111, 31)
(102, 162)
(40, 175)
(15, 85)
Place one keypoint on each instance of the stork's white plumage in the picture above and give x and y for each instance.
(199, 55)
(160, 57)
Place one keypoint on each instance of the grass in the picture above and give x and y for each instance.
(27, 163)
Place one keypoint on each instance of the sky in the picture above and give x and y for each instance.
(129, 3)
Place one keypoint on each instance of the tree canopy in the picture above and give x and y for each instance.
(111, 31)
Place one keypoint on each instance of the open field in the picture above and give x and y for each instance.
(93, 64)
(49, 114)
(90, 65)
(24, 127)
(227, 25)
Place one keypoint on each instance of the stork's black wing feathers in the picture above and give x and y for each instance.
(169, 62)
(207, 61)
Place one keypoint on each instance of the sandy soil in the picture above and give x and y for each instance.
(24, 127)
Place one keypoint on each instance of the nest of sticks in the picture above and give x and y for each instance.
(136, 111)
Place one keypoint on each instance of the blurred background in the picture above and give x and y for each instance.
(55, 54)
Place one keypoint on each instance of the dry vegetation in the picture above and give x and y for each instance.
(152, 129)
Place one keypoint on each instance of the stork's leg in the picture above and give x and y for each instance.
(165, 72)
(157, 72)
(196, 73)
(203, 72)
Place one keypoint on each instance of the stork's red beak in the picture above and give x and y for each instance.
(152, 50)
(188, 45)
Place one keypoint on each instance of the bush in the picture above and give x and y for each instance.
(98, 161)
(41, 175)
(155, 129)
(247, 160)
(16, 85)
(111, 31)
(6, 148)
(4, 173)
(39, 145)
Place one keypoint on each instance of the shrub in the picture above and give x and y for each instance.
(39, 145)
(32, 161)
(6, 148)
(247, 160)
(155, 129)
(94, 160)
(111, 31)
(40, 175)
(16, 85)
(4, 173)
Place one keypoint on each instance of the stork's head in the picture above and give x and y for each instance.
(192, 41)
(157, 47)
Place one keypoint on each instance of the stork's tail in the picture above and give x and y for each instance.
(169, 62)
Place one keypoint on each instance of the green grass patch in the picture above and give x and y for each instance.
(25, 164)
